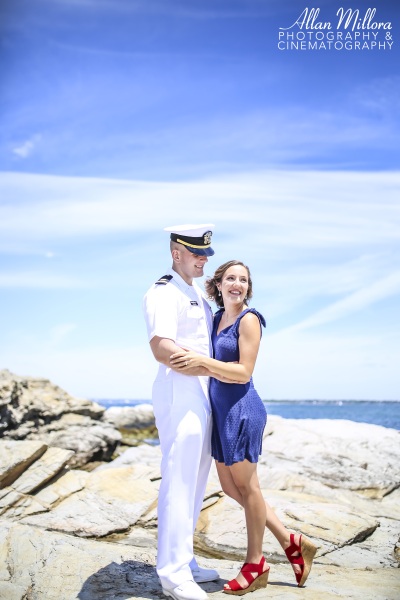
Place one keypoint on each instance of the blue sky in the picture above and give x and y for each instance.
(121, 117)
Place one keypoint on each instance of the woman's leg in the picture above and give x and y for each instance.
(245, 477)
(240, 481)
(227, 483)
(272, 522)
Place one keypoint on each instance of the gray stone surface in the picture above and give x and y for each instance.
(16, 457)
(136, 417)
(336, 482)
(36, 409)
(339, 454)
(54, 566)
(111, 501)
(42, 470)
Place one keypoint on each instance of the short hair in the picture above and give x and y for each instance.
(175, 246)
(211, 283)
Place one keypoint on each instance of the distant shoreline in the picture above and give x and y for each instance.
(149, 401)
(385, 413)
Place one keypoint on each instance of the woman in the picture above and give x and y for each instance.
(239, 419)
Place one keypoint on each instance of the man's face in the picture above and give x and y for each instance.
(190, 265)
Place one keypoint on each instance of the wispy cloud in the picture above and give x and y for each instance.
(216, 9)
(39, 280)
(353, 303)
(26, 148)
(380, 95)
(272, 208)
(327, 281)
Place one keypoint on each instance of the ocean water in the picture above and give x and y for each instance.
(378, 412)
(383, 413)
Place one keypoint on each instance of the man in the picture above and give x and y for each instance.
(178, 316)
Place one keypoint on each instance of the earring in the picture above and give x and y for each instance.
(219, 293)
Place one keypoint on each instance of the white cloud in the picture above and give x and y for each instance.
(305, 209)
(379, 290)
(27, 147)
(36, 279)
(291, 287)
(381, 95)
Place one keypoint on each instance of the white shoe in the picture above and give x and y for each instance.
(201, 575)
(188, 590)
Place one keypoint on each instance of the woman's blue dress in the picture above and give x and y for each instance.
(239, 415)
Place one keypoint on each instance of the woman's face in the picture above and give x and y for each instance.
(234, 285)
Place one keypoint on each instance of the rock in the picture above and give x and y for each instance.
(85, 514)
(90, 440)
(40, 565)
(15, 457)
(136, 417)
(138, 457)
(356, 535)
(340, 454)
(374, 552)
(71, 482)
(35, 409)
(135, 423)
(14, 505)
(144, 455)
(42, 470)
(35, 400)
(143, 537)
(222, 529)
(112, 501)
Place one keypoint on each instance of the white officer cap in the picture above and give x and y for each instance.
(195, 238)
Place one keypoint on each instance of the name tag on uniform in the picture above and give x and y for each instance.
(194, 303)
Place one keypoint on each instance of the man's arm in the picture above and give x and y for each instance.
(163, 348)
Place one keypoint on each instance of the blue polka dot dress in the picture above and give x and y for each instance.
(239, 415)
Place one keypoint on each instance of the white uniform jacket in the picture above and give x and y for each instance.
(179, 312)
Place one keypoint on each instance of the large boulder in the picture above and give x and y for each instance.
(36, 409)
(131, 417)
(341, 455)
(111, 501)
(28, 399)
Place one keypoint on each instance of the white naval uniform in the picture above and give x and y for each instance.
(179, 312)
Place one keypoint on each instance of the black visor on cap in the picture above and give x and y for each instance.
(201, 251)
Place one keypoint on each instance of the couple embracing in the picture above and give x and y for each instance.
(206, 406)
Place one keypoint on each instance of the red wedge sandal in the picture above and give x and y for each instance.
(255, 583)
(302, 555)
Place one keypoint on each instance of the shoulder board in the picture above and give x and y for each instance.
(164, 280)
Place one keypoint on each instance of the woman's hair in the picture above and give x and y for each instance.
(211, 284)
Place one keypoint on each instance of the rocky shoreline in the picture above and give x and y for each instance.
(78, 507)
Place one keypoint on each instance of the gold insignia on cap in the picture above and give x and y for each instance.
(207, 238)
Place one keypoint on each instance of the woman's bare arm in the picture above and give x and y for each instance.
(240, 372)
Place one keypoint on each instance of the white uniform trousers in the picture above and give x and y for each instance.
(183, 418)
